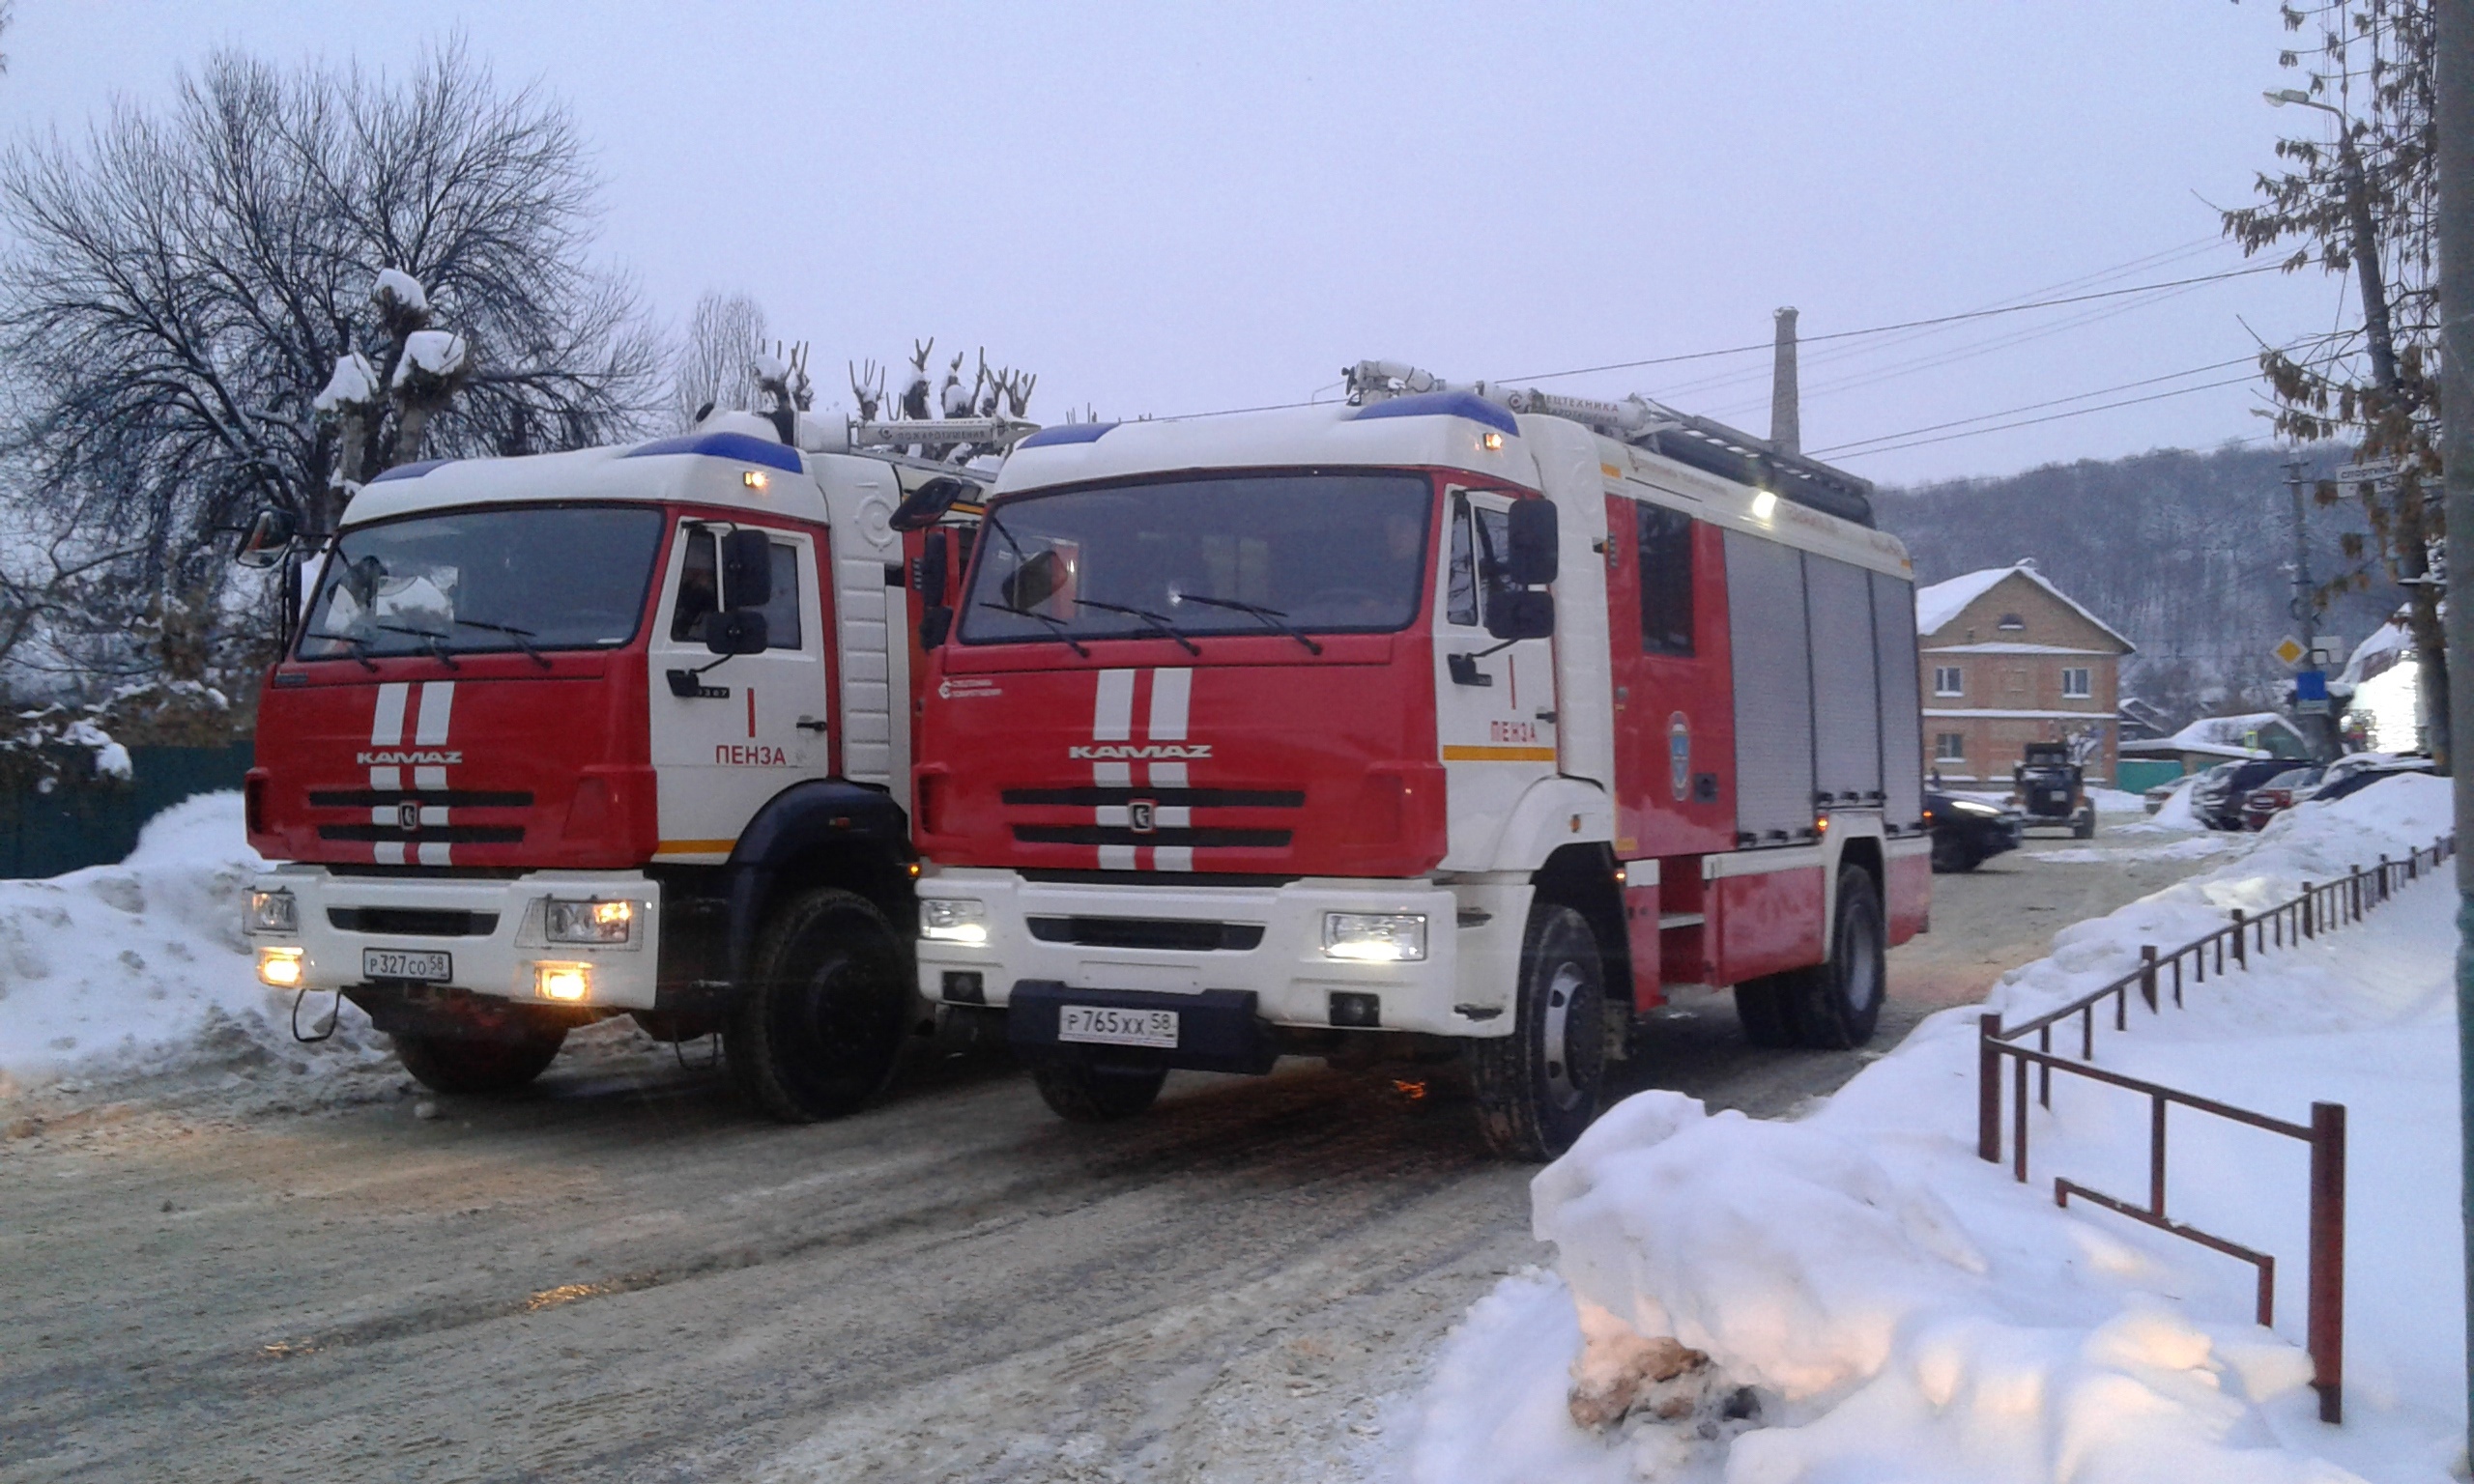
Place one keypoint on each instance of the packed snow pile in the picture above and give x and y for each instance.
(1856, 1296)
(141, 966)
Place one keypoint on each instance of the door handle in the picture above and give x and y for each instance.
(809, 724)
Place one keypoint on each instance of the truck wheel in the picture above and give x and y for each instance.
(2083, 825)
(1841, 1000)
(1082, 1091)
(1950, 856)
(820, 1027)
(1537, 1086)
(459, 1063)
(1765, 1008)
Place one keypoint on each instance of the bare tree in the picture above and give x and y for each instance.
(2355, 197)
(716, 364)
(182, 289)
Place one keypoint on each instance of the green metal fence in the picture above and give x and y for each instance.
(95, 824)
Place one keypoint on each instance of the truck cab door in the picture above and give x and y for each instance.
(1494, 702)
(726, 737)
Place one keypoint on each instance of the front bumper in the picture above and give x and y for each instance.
(494, 950)
(1464, 986)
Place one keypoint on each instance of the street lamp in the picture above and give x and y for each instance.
(2366, 237)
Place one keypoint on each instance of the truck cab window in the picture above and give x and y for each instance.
(1461, 598)
(699, 595)
(1665, 545)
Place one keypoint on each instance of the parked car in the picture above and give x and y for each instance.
(1968, 832)
(2353, 774)
(2217, 798)
(2278, 794)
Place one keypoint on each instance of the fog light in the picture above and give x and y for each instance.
(279, 968)
(1375, 937)
(588, 922)
(567, 983)
(953, 920)
(273, 911)
(964, 986)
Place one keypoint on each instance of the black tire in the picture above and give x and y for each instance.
(1766, 1008)
(1537, 1088)
(459, 1063)
(1840, 1001)
(1952, 855)
(2083, 826)
(1082, 1091)
(824, 1019)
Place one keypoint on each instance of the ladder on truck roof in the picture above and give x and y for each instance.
(1697, 443)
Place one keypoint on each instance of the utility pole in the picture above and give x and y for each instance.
(2453, 86)
(2321, 727)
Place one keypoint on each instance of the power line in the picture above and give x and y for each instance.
(1864, 443)
(2025, 423)
(1882, 329)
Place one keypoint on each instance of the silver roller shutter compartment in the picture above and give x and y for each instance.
(1847, 730)
(1774, 690)
(1902, 709)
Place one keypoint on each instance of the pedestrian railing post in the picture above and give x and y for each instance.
(2148, 975)
(2310, 896)
(1987, 1089)
(2327, 1277)
(2241, 950)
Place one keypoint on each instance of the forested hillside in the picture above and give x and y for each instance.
(2188, 553)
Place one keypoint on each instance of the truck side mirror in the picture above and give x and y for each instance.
(736, 631)
(268, 539)
(747, 569)
(926, 504)
(929, 570)
(934, 623)
(1520, 612)
(1532, 562)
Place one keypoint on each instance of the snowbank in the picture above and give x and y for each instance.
(1867, 1300)
(141, 966)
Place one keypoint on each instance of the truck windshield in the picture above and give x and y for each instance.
(564, 577)
(1325, 552)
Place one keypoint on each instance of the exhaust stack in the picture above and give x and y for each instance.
(1786, 432)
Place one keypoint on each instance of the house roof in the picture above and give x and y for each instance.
(1941, 602)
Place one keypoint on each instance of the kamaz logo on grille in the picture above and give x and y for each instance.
(408, 759)
(1138, 750)
(1142, 815)
(408, 817)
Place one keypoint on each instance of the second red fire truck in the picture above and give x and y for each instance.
(1450, 721)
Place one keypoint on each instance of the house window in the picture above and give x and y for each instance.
(2012, 621)
(1949, 747)
(1948, 681)
(2074, 684)
(1666, 579)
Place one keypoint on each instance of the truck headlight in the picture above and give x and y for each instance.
(1375, 937)
(275, 911)
(588, 922)
(953, 920)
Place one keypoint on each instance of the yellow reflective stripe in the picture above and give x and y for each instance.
(696, 847)
(1454, 754)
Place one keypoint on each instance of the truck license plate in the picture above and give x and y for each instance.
(1099, 1025)
(397, 963)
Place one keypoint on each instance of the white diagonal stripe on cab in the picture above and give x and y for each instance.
(386, 723)
(1170, 692)
(438, 700)
(1112, 713)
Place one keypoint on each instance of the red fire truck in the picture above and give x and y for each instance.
(622, 730)
(1446, 721)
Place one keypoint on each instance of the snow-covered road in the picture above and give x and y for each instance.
(236, 1268)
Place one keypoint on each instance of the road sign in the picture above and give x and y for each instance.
(2310, 707)
(2366, 473)
(2311, 685)
(2290, 650)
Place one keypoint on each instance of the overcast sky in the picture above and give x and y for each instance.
(1173, 209)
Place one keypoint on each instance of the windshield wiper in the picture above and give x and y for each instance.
(1272, 617)
(436, 642)
(1159, 625)
(523, 637)
(1051, 620)
(360, 646)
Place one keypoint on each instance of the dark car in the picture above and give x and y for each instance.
(1968, 832)
(2352, 775)
(2217, 798)
(2277, 795)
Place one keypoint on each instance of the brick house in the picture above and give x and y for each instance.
(2006, 658)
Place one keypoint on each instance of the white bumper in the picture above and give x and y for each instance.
(1464, 986)
(498, 962)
